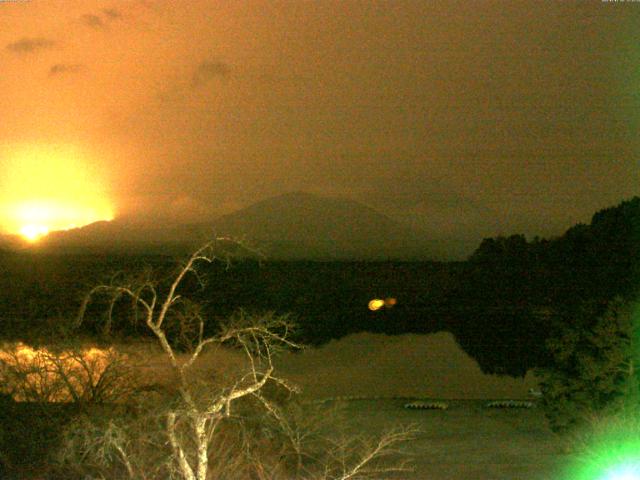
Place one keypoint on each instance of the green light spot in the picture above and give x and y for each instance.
(625, 471)
(611, 453)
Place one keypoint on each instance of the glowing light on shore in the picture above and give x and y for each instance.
(50, 188)
(376, 304)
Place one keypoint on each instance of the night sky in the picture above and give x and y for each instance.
(468, 118)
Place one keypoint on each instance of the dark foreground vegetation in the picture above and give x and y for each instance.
(564, 306)
(235, 419)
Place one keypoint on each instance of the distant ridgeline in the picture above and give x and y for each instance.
(501, 304)
(513, 294)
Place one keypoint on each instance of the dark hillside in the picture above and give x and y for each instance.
(513, 293)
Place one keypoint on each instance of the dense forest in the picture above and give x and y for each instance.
(502, 304)
(513, 294)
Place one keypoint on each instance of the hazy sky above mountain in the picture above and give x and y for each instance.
(462, 117)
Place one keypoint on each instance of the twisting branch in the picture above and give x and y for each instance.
(383, 447)
(204, 254)
(178, 451)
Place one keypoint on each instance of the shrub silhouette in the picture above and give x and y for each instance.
(595, 366)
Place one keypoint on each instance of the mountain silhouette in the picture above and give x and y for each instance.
(289, 226)
(304, 225)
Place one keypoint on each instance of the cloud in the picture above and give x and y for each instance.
(30, 45)
(207, 71)
(93, 21)
(112, 13)
(62, 68)
(101, 19)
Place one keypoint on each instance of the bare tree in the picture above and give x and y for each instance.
(201, 412)
(192, 422)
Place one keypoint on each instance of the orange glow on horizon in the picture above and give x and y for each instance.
(45, 189)
(33, 233)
